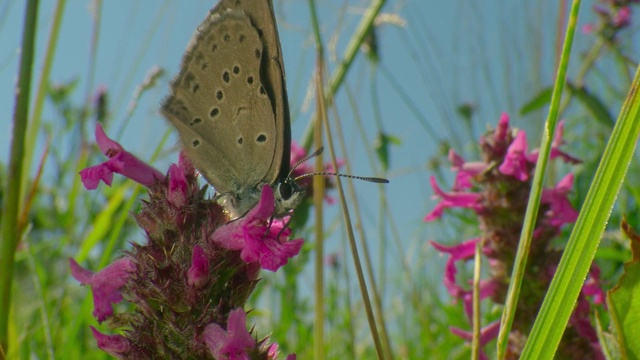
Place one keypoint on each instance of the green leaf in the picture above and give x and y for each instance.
(466, 111)
(592, 103)
(382, 143)
(608, 341)
(541, 99)
(622, 301)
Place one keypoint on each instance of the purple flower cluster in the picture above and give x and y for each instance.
(497, 190)
(614, 16)
(188, 283)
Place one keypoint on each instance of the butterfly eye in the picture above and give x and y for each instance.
(285, 190)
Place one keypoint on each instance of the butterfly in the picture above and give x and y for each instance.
(229, 104)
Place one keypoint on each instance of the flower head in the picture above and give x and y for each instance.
(499, 203)
(182, 279)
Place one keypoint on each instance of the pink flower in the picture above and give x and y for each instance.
(463, 251)
(486, 289)
(515, 162)
(622, 17)
(502, 130)
(120, 161)
(560, 209)
(259, 237)
(580, 319)
(452, 199)
(555, 148)
(177, 190)
(231, 343)
(297, 154)
(487, 333)
(114, 345)
(592, 285)
(272, 353)
(465, 171)
(588, 28)
(105, 285)
(198, 273)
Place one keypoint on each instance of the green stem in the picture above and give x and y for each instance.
(318, 324)
(11, 207)
(347, 59)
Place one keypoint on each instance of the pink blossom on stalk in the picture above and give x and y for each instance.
(588, 28)
(120, 161)
(502, 130)
(515, 162)
(259, 237)
(198, 273)
(105, 284)
(580, 319)
(114, 345)
(465, 171)
(592, 285)
(462, 251)
(486, 289)
(452, 199)
(231, 343)
(560, 209)
(177, 189)
(173, 268)
(487, 333)
(555, 148)
(499, 202)
(622, 18)
(272, 353)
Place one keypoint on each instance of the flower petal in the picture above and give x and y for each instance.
(114, 345)
(515, 162)
(232, 343)
(177, 190)
(121, 162)
(105, 284)
(451, 200)
(198, 273)
(259, 238)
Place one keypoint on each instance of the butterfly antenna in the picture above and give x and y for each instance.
(318, 152)
(364, 178)
(315, 153)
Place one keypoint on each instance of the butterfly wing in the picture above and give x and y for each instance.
(221, 108)
(272, 74)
